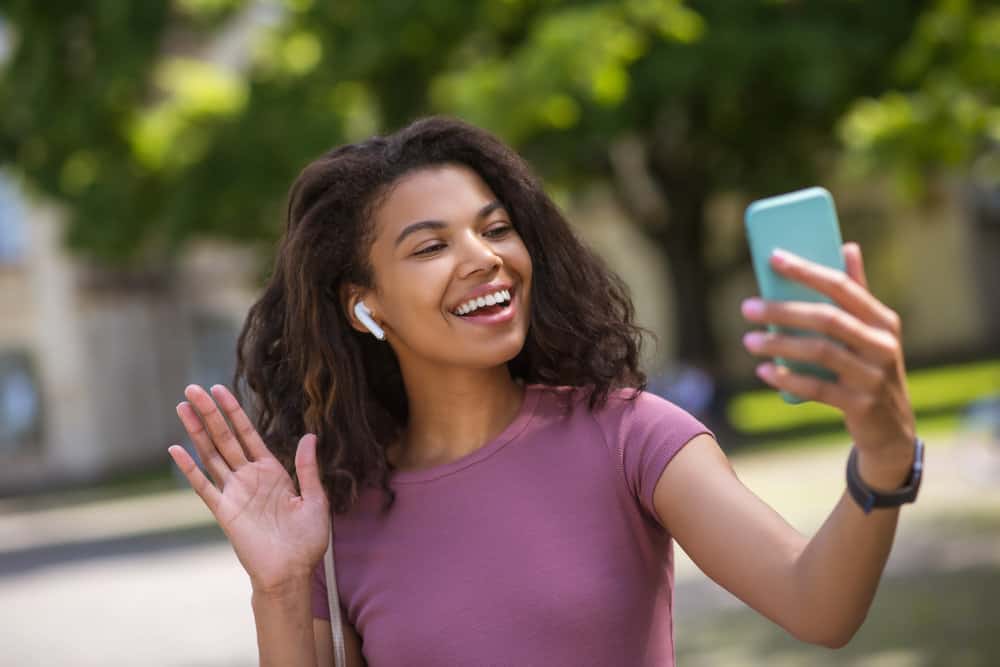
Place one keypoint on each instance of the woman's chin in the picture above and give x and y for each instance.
(496, 354)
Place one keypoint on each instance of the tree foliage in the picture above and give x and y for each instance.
(157, 121)
(941, 112)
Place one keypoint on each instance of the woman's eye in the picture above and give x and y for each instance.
(497, 232)
(494, 233)
(429, 249)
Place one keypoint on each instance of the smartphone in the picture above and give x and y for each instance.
(803, 222)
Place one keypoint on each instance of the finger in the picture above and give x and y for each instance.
(872, 344)
(210, 457)
(219, 431)
(855, 264)
(807, 386)
(850, 295)
(308, 470)
(205, 490)
(245, 430)
(851, 370)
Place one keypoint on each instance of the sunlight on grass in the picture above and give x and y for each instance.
(930, 390)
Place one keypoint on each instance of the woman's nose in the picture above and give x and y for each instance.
(479, 254)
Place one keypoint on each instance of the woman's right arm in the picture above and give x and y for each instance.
(284, 627)
(288, 634)
(279, 533)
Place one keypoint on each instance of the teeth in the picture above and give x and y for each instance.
(502, 296)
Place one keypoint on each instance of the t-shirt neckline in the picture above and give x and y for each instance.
(509, 433)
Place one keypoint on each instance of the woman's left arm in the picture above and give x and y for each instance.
(819, 589)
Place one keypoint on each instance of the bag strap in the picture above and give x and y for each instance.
(339, 654)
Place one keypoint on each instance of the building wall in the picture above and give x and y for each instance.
(111, 356)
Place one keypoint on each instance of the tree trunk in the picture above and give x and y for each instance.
(983, 206)
(668, 202)
(682, 242)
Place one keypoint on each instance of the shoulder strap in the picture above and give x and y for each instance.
(339, 655)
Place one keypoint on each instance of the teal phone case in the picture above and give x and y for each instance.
(803, 222)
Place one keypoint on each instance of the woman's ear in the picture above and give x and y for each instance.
(350, 297)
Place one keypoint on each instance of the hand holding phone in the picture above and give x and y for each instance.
(805, 223)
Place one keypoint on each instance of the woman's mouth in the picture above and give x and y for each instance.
(498, 313)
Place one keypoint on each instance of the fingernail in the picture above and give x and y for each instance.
(753, 307)
(765, 371)
(753, 339)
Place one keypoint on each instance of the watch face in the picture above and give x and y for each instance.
(918, 466)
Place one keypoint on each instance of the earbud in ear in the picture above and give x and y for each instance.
(365, 315)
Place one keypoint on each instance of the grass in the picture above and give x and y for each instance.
(938, 393)
(930, 428)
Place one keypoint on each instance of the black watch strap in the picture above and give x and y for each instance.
(868, 499)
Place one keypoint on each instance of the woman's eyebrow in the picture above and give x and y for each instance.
(438, 224)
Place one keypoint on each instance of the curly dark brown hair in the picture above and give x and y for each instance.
(302, 368)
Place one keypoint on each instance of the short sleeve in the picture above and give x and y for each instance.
(644, 434)
(320, 604)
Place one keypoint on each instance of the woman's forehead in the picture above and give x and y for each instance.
(447, 192)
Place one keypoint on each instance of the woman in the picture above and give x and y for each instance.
(499, 483)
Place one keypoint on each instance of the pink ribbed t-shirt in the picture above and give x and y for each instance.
(540, 548)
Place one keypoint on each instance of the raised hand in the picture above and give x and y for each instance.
(278, 535)
(871, 384)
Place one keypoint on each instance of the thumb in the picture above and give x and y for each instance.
(855, 264)
(308, 469)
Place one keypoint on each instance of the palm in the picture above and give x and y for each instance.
(278, 535)
(270, 527)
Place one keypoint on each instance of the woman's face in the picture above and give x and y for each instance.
(442, 239)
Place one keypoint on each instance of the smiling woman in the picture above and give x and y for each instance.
(501, 489)
(414, 225)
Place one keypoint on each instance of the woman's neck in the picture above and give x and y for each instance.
(453, 414)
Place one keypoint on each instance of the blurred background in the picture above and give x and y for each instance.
(146, 149)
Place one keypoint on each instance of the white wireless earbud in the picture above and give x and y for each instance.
(365, 315)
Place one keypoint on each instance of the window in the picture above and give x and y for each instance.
(20, 402)
(12, 223)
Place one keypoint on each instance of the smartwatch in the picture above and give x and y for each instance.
(869, 499)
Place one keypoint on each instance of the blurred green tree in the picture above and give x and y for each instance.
(940, 113)
(939, 123)
(152, 130)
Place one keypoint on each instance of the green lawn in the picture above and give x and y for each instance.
(938, 396)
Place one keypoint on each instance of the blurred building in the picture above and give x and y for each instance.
(93, 361)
